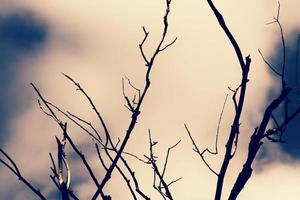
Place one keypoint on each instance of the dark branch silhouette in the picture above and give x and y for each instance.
(12, 166)
(259, 132)
(245, 65)
(162, 186)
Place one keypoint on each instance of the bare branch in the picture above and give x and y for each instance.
(99, 139)
(14, 169)
(152, 160)
(132, 173)
(196, 149)
(245, 66)
(82, 157)
(102, 122)
(63, 127)
(176, 180)
(141, 45)
(280, 128)
(218, 127)
(168, 45)
(136, 112)
(167, 157)
(129, 106)
(71, 117)
(282, 74)
(255, 144)
(269, 65)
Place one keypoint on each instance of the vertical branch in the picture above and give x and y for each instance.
(260, 132)
(63, 186)
(244, 64)
(218, 127)
(283, 83)
(283, 46)
(162, 187)
(136, 111)
(255, 144)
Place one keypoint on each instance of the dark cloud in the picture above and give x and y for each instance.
(292, 76)
(21, 34)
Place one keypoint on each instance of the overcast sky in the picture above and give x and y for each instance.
(96, 42)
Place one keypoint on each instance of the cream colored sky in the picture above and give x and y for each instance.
(96, 43)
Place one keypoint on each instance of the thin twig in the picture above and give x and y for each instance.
(269, 65)
(196, 149)
(102, 122)
(152, 160)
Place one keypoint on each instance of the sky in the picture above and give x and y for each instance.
(96, 43)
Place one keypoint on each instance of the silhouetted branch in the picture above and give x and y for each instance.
(260, 132)
(12, 166)
(64, 186)
(218, 130)
(100, 157)
(280, 128)
(162, 187)
(69, 115)
(167, 157)
(82, 157)
(269, 65)
(234, 97)
(196, 149)
(168, 45)
(58, 176)
(276, 20)
(136, 111)
(99, 139)
(63, 127)
(245, 65)
(102, 122)
(108, 140)
(141, 46)
(135, 181)
(131, 105)
(72, 118)
(255, 144)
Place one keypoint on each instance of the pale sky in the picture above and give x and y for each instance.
(96, 42)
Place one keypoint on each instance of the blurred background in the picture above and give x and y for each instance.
(96, 43)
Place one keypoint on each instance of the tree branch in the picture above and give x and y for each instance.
(136, 111)
(15, 170)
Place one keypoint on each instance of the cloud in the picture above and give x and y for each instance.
(291, 78)
(21, 35)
